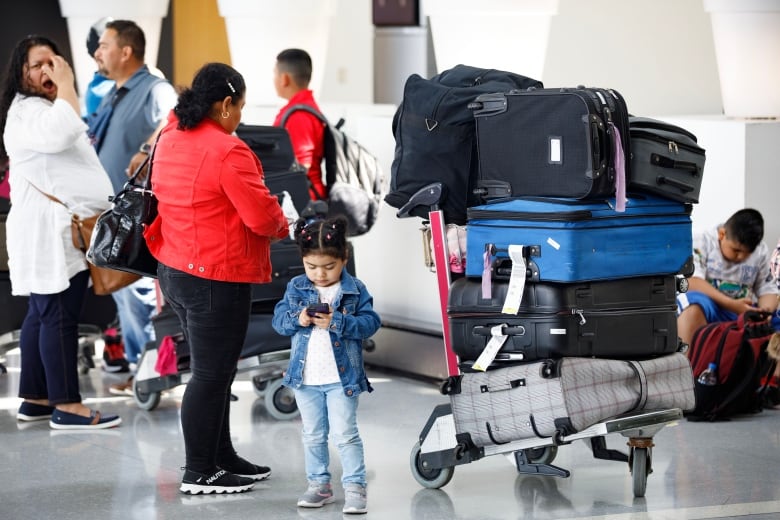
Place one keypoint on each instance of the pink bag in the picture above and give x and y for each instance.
(166, 357)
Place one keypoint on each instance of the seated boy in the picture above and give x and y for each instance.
(731, 274)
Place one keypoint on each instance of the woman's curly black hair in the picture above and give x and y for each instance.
(213, 82)
(323, 237)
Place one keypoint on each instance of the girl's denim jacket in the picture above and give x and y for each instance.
(353, 321)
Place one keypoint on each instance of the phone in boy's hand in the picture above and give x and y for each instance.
(318, 308)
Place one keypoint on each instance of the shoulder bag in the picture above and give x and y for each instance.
(118, 237)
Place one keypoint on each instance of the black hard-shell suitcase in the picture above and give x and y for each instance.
(271, 144)
(560, 320)
(569, 142)
(665, 160)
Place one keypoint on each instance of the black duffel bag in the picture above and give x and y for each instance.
(435, 136)
(118, 237)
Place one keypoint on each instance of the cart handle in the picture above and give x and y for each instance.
(429, 196)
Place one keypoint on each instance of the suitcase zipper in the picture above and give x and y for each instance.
(674, 146)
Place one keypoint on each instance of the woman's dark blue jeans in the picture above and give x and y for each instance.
(214, 316)
(49, 344)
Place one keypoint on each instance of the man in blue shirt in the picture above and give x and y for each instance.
(125, 125)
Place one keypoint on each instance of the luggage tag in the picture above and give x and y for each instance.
(497, 340)
(514, 293)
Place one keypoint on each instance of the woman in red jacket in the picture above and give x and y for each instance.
(216, 222)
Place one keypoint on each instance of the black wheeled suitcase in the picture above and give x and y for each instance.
(560, 320)
(554, 398)
(435, 138)
(294, 181)
(271, 144)
(569, 142)
(286, 263)
(665, 160)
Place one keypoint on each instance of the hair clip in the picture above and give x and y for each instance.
(233, 90)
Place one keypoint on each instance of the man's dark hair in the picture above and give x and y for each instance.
(746, 226)
(297, 63)
(129, 35)
(13, 82)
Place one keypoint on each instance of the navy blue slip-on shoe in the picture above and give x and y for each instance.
(33, 412)
(70, 421)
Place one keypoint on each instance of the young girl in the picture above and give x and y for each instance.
(326, 363)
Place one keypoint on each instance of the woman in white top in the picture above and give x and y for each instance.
(50, 156)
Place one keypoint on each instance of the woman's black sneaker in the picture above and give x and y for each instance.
(244, 468)
(195, 483)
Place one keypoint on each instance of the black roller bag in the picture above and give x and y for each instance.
(567, 319)
(435, 137)
(665, 160)
(271, 144)
(568, 142)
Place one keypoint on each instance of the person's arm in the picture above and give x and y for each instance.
(242, 182)
(768, 302)
(61, 74)
(361, 324)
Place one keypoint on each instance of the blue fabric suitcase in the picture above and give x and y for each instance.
(568, 240)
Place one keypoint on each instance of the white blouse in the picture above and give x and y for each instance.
(49, 152)
(320, 366)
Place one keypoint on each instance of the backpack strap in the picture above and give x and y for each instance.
(305, 108)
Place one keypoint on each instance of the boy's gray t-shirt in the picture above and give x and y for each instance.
(749, 279)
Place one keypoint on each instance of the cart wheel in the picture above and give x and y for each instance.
(640, 468)
(429, 478)
(280, 401)
(682, 284)
(259, 385)
(145, 401)
(541, 455)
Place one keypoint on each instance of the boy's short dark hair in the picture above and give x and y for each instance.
(297, 63)
(746, 226)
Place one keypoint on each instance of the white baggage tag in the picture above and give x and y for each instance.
(497, 340)
(514, 293)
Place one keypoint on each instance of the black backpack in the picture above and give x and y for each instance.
(353, 176)
(435, 136)
(738, 350)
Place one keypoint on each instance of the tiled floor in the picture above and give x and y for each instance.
(721, 470)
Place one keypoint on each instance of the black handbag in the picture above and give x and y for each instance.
(118, 237)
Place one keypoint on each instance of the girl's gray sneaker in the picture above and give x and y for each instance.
(317, 495)
(354, 499)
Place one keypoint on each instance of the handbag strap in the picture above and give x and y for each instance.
(146, 182)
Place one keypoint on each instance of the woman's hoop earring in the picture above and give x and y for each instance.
(225, 115)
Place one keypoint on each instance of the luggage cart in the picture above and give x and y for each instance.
(265, 355)
(434, 457)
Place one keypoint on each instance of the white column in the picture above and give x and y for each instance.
(501, 34)
(81, 14)
(258, 30)
(747, 48)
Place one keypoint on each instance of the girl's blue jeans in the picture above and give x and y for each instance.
(326, 410)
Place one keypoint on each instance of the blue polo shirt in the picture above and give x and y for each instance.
(148, 101)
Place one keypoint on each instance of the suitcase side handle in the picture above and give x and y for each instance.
(667, 162)
(599, 143)
(682, 186)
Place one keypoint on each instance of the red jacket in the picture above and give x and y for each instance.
(216, 216)
(307, 136)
